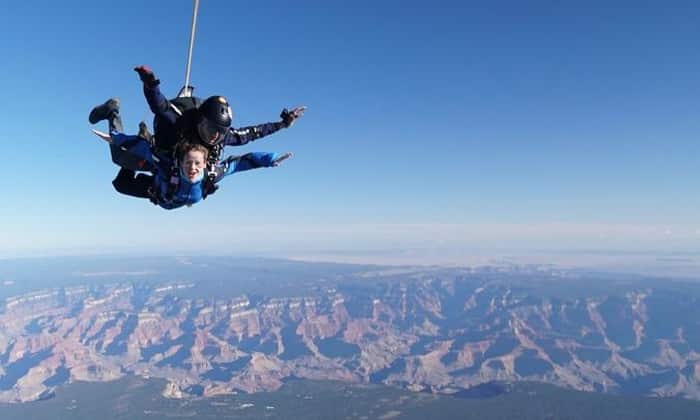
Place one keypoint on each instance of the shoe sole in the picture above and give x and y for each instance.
(101, 112)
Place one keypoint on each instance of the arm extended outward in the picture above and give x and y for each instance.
(241, 136)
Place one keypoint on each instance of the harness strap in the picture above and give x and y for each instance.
(175, 109)
(173, 183)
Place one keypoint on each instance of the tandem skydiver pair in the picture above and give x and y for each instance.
(180, 163)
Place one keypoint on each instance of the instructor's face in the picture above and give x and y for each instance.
(209, 132)
(193, 165)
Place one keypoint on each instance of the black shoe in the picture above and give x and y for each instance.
(104, 111)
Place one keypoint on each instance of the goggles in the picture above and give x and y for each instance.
(209, 132)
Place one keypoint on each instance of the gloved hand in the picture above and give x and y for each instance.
(147, 77)
(289, 116)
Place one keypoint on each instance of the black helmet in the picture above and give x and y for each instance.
(215, 119)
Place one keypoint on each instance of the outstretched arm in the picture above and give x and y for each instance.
(244, 162)
(241, 136)
(156, 100)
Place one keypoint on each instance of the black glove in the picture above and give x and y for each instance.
(147, 77)
(289, 116)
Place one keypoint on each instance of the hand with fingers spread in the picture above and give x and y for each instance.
(289, 116)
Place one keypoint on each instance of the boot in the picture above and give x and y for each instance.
(107, 111)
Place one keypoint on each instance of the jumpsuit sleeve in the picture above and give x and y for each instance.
(246, 162)
(159, 104)
(241, 136)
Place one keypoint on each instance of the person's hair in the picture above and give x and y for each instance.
(185, 148)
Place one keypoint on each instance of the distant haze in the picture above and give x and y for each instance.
(645, 249)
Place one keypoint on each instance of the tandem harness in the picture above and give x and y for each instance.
(209, 182)
(182, 103)
(208, 187)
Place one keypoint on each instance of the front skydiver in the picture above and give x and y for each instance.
(172, 186)
(207, 122)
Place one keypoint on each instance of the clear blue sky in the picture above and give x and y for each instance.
(527, 124)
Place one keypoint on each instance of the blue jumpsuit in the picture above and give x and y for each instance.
(158, 186)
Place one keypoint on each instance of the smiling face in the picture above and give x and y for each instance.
(192, 165)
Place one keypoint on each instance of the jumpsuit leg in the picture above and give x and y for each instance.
(128, 182)
(115, 122)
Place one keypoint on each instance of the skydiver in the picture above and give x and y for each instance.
(207, 122)
(168, 189)
(187, 119)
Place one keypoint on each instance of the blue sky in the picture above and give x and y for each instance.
(457, 124)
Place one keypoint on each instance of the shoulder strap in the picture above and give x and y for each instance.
(209, 185)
